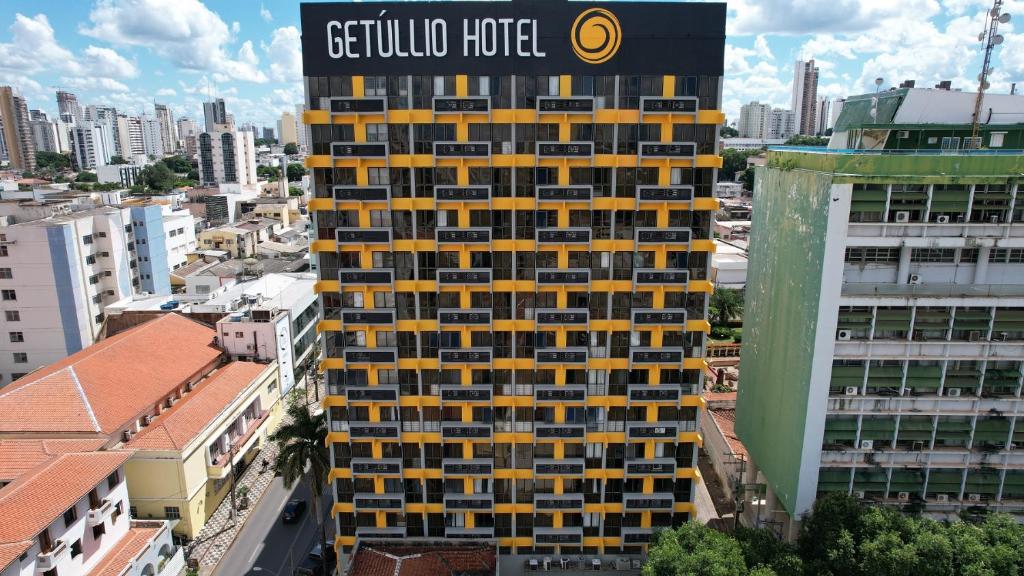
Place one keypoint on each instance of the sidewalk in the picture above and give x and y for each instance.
(220, 530)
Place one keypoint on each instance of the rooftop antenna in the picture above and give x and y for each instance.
(990, 38)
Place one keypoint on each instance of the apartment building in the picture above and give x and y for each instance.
(68, 514)
(804, 100)
(56, 275)
(239, 239)
(21, 149)
(513, 248)
(227, 156)
(883, 349)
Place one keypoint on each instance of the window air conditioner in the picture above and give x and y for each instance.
(915, 278)
(942, 498)
(953, 392)
(974, 497)
(843, 335)
(126, 435)
(942, 219)
(974, 335)
(994, 219)
(867, 444)
(903, 216)
(903, 496)
(858, 494)
(146, 420)
(851, 390)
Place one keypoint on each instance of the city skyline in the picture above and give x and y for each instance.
(107, 53)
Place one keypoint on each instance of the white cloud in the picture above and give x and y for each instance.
(34, 47)
(795, 17)
(93, 83)
(285, 54)
(106, 62)
(185, 32)
(166, 92)
(265, 14)
(761, 46)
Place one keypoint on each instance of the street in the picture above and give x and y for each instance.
(268, 547)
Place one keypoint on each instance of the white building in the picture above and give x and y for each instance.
(168, 130)
(90, 145)
(56, 275)
(180, 234)
(750, 143)
(822, 118)
(44, 132)
(72, 515)
(152, 139)
(763, 122)
(301, 130)
(227, 156)
(805, 96)
(124, 175)
(286, 129)
(129, 133)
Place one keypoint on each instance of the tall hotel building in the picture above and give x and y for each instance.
(513, 205)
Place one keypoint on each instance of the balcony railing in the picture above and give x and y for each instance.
(97, 515)
(49, 560)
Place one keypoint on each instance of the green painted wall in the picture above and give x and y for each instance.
(787, 248)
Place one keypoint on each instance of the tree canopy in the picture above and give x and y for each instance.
(157, 177)
(803, 140)
(52, 160)
(291, 148)
(295, 172)
(177, 164)
(86, 177)
(116, 159)
(728, 132)
(726, 304)
(734, 161)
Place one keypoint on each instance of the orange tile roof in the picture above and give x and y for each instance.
(175, 428)
(36, 499)
(11, 552)
(111, 383)
(725, 419)
(19, 456)
(134, 542)
(423, 561)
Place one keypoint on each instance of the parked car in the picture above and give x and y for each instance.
(293, 510)
(317, 552)
(170, 305)
(309, 567)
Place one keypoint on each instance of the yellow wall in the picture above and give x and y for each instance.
(157, 479)
(216, 235)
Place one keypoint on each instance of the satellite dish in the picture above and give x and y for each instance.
(986, 85)
(1004, 18)
(997, 39)
(981, 37)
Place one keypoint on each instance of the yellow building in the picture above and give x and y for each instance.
(183, 460)
(239, 239)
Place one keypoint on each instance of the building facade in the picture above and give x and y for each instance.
(227, 156)
(286, 129)
(214, 113)
(90, 145)
(886, 331)
(513, 256)
(21, 149)
(168, 129)
(763, 122)
(805, 97)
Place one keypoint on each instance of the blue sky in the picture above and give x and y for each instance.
(128, 53)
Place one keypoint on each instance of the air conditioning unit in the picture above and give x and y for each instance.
(126, 435)
(974, 497)
(994, 219)
(915, 279)
(942, 498)
(904, 134)
(974, 335)
(146, 420)
(942, 219)
(917, 446)
(851, 390)
(903, 496)
(858, 494)
(953, 392)
(843, 335)
(902, 217)
(867, 444)
(1000, 336)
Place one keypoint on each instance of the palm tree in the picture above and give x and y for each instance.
(301, 442)
(726, 304)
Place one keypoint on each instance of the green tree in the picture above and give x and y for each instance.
(157, 177)
(116, 159)
(177, 164)
(86, 177)
(52, 161)
(301, 443)
(295, 172)
(268, 172)
(291, 148)
(728, 132)
(265, 141)
(747, 178)
(193, 175)
(293, 191)
(803, 140)
(726, 304)
(734, 161)
(823, 529)
(694, 549)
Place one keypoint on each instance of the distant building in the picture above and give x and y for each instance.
(68, 106)
(805, 96)
(750, 143)
(124, 175)
(301, 129)
(822, 111)
(286, 129)
(129, 135)
(763, 122)
(238, 239)
(44, 132)
(268, 133)
(90, 145)
(214, 113)
(227, 156)
(152, 137)
(21, 149)
(168, 130)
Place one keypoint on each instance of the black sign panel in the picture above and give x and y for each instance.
(370, 356)
(652, 431)
(468, 503)
(565, 149)
(372, 394)
(464, 276)
(466, 317)
(562, 356)
(671, 236)
(366, 502)
(563, 277)
(461, 149)
(374, 431)
(557, 431)
(367, 317)
(446, 105)
(560, 394)
(570, 105)
(556, 538)
(662, 276)
(465, 394)
(376, 468)
(657, 356)
(648, 502)
(559, 468)
(366, 276)
(662, 105)
(665, 194)
(541, 502)
(563, 236)
(357, 106)
(359, 150)
(654, 394)
(364, 235)
(636, 538)
(361, 193)
(464, 235)
(659, 317)
(678, 150)
(462, 193)
(465, 356)
(644, 468)
(562, 317)
(480, 431)
(528, 37)
(569, 193)
(466, 468)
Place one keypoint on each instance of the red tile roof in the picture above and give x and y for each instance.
(36, 499)
(11, 552)
(133, 543)
(423, 561)
(19, 456)
(725, 419)
(175, 428)
(111, 383)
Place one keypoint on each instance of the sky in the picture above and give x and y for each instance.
(132, 53)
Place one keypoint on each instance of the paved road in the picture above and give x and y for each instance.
(266, 546)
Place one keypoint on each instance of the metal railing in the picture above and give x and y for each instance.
(910, 152)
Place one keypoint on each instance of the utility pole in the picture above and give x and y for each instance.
(991, 39)
(231, 462)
